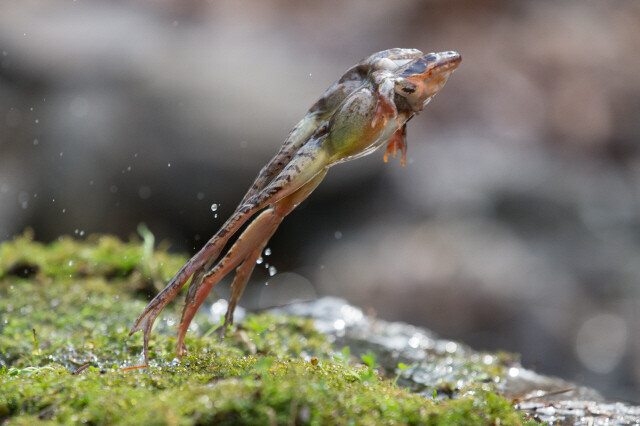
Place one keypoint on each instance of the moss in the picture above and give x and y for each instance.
(70, 303)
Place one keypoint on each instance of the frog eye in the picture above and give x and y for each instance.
(404, 87)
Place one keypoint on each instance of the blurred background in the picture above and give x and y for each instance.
(515, 224)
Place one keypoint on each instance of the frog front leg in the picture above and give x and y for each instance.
(398, 142)
(385, 91)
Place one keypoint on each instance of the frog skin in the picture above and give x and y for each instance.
(366, 108)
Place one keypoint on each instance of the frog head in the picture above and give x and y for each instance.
(420, 79)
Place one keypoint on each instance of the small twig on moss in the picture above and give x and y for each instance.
(135, 367)
(35, 339)
(81, 369)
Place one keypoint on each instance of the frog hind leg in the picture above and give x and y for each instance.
(309, 162)
(398, 142)
(243, 273)
(259, 230)
(207, 255)
(244, 252)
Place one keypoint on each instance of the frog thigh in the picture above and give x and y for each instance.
(310, 160)
(350, 129)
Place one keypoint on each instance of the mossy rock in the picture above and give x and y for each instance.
(65, 313)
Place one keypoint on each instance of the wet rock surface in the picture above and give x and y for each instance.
(427, 364)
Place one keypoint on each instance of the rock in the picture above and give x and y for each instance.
(430, 364)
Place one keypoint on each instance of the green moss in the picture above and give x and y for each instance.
(71, 302)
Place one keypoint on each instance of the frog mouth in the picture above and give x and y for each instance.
(447, 61)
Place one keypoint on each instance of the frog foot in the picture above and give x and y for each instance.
(398, 142)
(181, 348)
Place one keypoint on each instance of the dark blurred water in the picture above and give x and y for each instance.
(514, 225)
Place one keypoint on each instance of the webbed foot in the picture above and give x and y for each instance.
(398, 142)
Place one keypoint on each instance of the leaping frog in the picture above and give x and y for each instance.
(365, 109)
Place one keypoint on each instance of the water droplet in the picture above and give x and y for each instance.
(35, 142)
(64, 210)
(337, 235)
(267, 251)
(272, 271)
(259, 260)
(168, 164)
(81, 233)
(215, 216)
(36, 121)
(71, 263)
(214, 207)
(61, 153)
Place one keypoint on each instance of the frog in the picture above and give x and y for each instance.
(365, 109)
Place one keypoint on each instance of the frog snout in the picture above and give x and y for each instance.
(451, 58)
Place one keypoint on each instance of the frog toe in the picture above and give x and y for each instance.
(398, 142)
